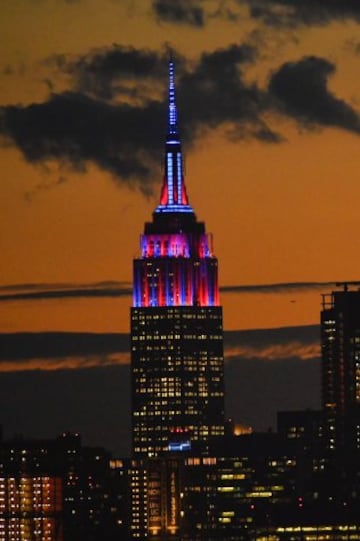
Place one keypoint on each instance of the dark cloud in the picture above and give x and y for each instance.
(190, 12)
(77, 130)
(115, 115)
(119, 72)
(61, 291)
(194, 13)
(301, 91)
(209, 93)
(225, 10)
(290, 287)
(216, 93)
(98, 123)
(303, 12)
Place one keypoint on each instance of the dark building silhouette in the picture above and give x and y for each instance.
(176, 321)
(59, 490)
(340, 346)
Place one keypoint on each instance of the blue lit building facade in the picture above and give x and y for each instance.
(176, 321)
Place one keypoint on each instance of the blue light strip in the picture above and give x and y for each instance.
(183, 286)
(179, 177)
(137, 290)
(174, 208)
(172, 104)
(170, 177)
(179, 446)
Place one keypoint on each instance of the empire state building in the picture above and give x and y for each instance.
(177, 364)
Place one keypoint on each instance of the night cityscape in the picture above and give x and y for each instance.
(191, 474)
(178, 402)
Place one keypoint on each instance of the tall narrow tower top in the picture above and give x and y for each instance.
(173, 197)
(172, 120)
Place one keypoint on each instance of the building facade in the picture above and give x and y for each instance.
(340, 345)
(177, 363)
(60, 490)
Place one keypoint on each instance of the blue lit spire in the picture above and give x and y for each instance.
(173, 194)
(172, 120)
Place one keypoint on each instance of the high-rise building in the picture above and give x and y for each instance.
(340, 342)
(177, 363)
(30, 507)
(60, 490)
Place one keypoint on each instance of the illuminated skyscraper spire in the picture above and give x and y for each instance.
(177, 265)
(172, 125)
(173, 194)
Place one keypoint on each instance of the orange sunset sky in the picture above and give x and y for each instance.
(269, 110)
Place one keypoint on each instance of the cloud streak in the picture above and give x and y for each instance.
(74, 351)
(34, 292)
(63, 292)
(64, 363)
(277, 352)
(61, 345)
(286, 287)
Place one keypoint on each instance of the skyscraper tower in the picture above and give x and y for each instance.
(340, 342)
(177, 365)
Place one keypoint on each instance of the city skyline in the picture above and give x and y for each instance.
(261, 160)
